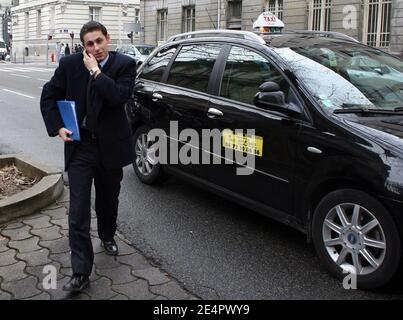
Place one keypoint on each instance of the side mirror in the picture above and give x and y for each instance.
(271, 97)
(269, 86)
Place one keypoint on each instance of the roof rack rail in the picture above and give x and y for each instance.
(246, 35)
(328, 34)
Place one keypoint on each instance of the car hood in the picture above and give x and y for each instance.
(384, 130)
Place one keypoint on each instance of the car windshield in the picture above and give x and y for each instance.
(133, 51)
(348, 76)
(129, 50)
(145, 50)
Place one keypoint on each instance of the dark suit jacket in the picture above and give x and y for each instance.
(112, 88)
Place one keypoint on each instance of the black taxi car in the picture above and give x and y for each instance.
(327, 113)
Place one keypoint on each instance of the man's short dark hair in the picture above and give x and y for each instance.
(92, 26)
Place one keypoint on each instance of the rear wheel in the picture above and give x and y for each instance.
(354, 233)
(145, 163)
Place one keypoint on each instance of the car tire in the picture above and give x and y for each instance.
(146, 171)
(350, 244)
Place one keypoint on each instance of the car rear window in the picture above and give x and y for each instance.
(156, 66)
(193, 66)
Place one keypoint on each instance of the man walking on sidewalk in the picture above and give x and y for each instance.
(100, 82)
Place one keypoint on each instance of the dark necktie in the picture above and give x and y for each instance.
(90, 116)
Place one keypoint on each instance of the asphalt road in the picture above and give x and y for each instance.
(217, 249)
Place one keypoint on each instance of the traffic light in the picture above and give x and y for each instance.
(130, 35)
(72, 35)
(49, 37)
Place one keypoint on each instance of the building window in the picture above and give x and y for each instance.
(51, 19)
(234, 14)
(234, 9)
(276, 7)
(162, 24)
(377, 17)
(319, 15)
(26, 25)
(95, 14)
(38, 23)
(137, 18)
(188, 19)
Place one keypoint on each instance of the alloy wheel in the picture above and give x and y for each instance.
(354, 238)
(145, 155)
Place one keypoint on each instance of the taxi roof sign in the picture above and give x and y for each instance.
(267, 19)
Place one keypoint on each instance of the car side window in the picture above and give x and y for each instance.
(193, 66)
(245, 71)
(156, 66)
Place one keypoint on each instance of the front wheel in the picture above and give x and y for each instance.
(145, 163)
(354, 234)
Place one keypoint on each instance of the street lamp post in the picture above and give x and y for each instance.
(72, 37)
(47, 50)
(218, 14)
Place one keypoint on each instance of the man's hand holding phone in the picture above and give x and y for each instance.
(89, 61)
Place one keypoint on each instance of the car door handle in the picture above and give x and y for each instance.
(156, 97)
(314, 150)
(214, 113)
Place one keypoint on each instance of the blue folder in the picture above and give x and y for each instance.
(67, 110)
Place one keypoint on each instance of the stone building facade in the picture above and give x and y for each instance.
(34, 20)
(376, 22)
(5, 20)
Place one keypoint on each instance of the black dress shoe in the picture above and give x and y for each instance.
(110, 247)
(78, 282)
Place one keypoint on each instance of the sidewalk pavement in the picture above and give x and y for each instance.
(29, 244)
(33, 64)
(33, 59)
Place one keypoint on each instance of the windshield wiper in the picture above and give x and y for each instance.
(369, 111)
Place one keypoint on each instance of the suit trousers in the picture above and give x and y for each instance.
(84, 169)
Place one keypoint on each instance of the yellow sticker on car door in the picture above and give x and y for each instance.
(242, 142)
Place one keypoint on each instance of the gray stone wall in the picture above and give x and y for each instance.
(205, 10)
(396, 44)
(295, 15)
(339, 15)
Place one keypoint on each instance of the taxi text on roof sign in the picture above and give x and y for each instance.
(267, 19)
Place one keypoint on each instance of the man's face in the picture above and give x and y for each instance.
(96, 44)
